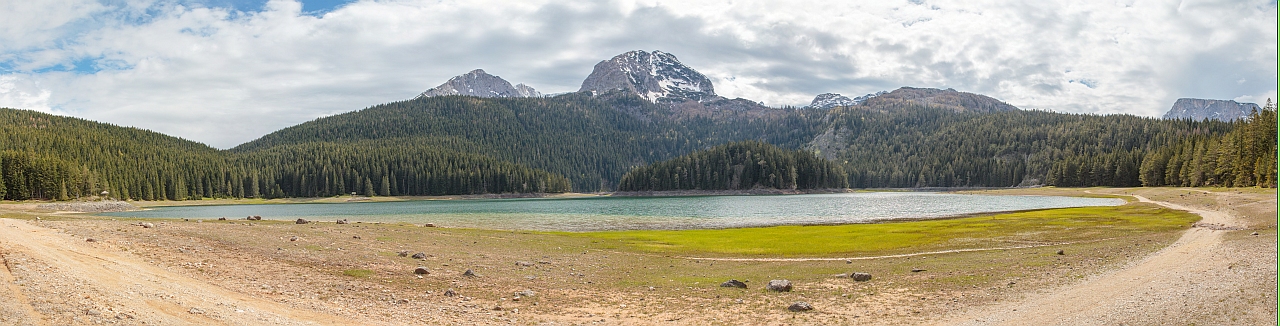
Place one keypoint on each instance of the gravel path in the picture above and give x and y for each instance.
(1202, 278)
(55, 279)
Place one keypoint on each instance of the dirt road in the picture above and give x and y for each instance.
(87, 282)
(1203, 277)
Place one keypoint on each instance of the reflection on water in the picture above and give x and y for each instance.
(614, 213)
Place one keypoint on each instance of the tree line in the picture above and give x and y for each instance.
(738, 166)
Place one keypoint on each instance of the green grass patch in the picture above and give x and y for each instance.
(362, 273)
(999, 230)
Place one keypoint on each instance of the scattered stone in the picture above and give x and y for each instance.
(450, 293)
(800, 306)
(293, 238)
(421, 270)
(93, 312)
(469, 273)
(420, 256)
(343, 221)
(403, 301)
(917, 270)
(355, 237)
(497, 308)
(196, 311)
(90, 240)
(779, 286)
(222, 219)
(848, 261)
(1060, 252)
(526, 293)
(1254, 233)
(147, 225)
(403, 253)
(429, 225)
(301, 221)
(524, 264)
(861, 277)
(254, 218)
(124, 316)
(733, 284)
(544, 262)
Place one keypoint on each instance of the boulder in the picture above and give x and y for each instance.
(1060, 252)
(450, 293)
(421, 270)
(343, 221)
(301, 221)
(860, 277)
(800, 306)
(419, 256)
(293, 238)
(403, 253)
(469, 273)
(147, 225)
(429, 225)
(779, 286)
(733, 284)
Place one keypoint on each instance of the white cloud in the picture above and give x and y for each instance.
(224, 77)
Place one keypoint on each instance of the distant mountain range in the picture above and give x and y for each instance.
(477, 133)
(661, 78)
(1200, 109)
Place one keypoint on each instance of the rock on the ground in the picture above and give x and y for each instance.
(1060, 252)
(524, 263)
(196, 311)
(779, 286)
(733, 284)
(429, 225)
(450, 293)
(861, 277)
(343, 221)
(301, 221)
(917, 270)
(419, 256)
(403, 253)
(800, 306)
(421, 270)
(293, 238)
(147, 225)
(469, 273)
(526, 293)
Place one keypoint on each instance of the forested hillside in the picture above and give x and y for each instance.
(51, 157)
(935, 147)
(738, 166)
(592, 140)
(580, 142)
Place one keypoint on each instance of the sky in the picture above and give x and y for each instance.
(224, 72)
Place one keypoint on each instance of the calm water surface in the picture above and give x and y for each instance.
(619, 213)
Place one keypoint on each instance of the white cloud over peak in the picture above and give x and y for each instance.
(223, 76)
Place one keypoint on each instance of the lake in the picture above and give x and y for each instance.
(629, 213)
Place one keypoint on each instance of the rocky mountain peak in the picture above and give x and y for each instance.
(657, 76)
(950, 99)
(831, 100)
(480, 84)
(1199, 109)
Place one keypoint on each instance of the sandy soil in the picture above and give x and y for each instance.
(1213, 274)
(243, 273)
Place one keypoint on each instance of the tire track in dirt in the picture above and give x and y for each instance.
(151, 293)
(1140, 291)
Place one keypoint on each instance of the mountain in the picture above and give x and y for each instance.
(831, 100)
(1200, 109)
(480, 84)
(658, 77)
(948, 99)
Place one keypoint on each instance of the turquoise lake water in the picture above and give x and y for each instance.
(629, 213)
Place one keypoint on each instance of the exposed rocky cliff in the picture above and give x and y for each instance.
(831, 100)
(949, 99)
(1200, 109)
(657, 76)
(480, 84)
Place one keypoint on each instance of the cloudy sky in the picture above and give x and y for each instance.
(224, 72)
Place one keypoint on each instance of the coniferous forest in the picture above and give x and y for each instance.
(579, 142)
(738, 166)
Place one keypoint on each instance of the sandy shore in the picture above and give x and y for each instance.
(256, 273)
